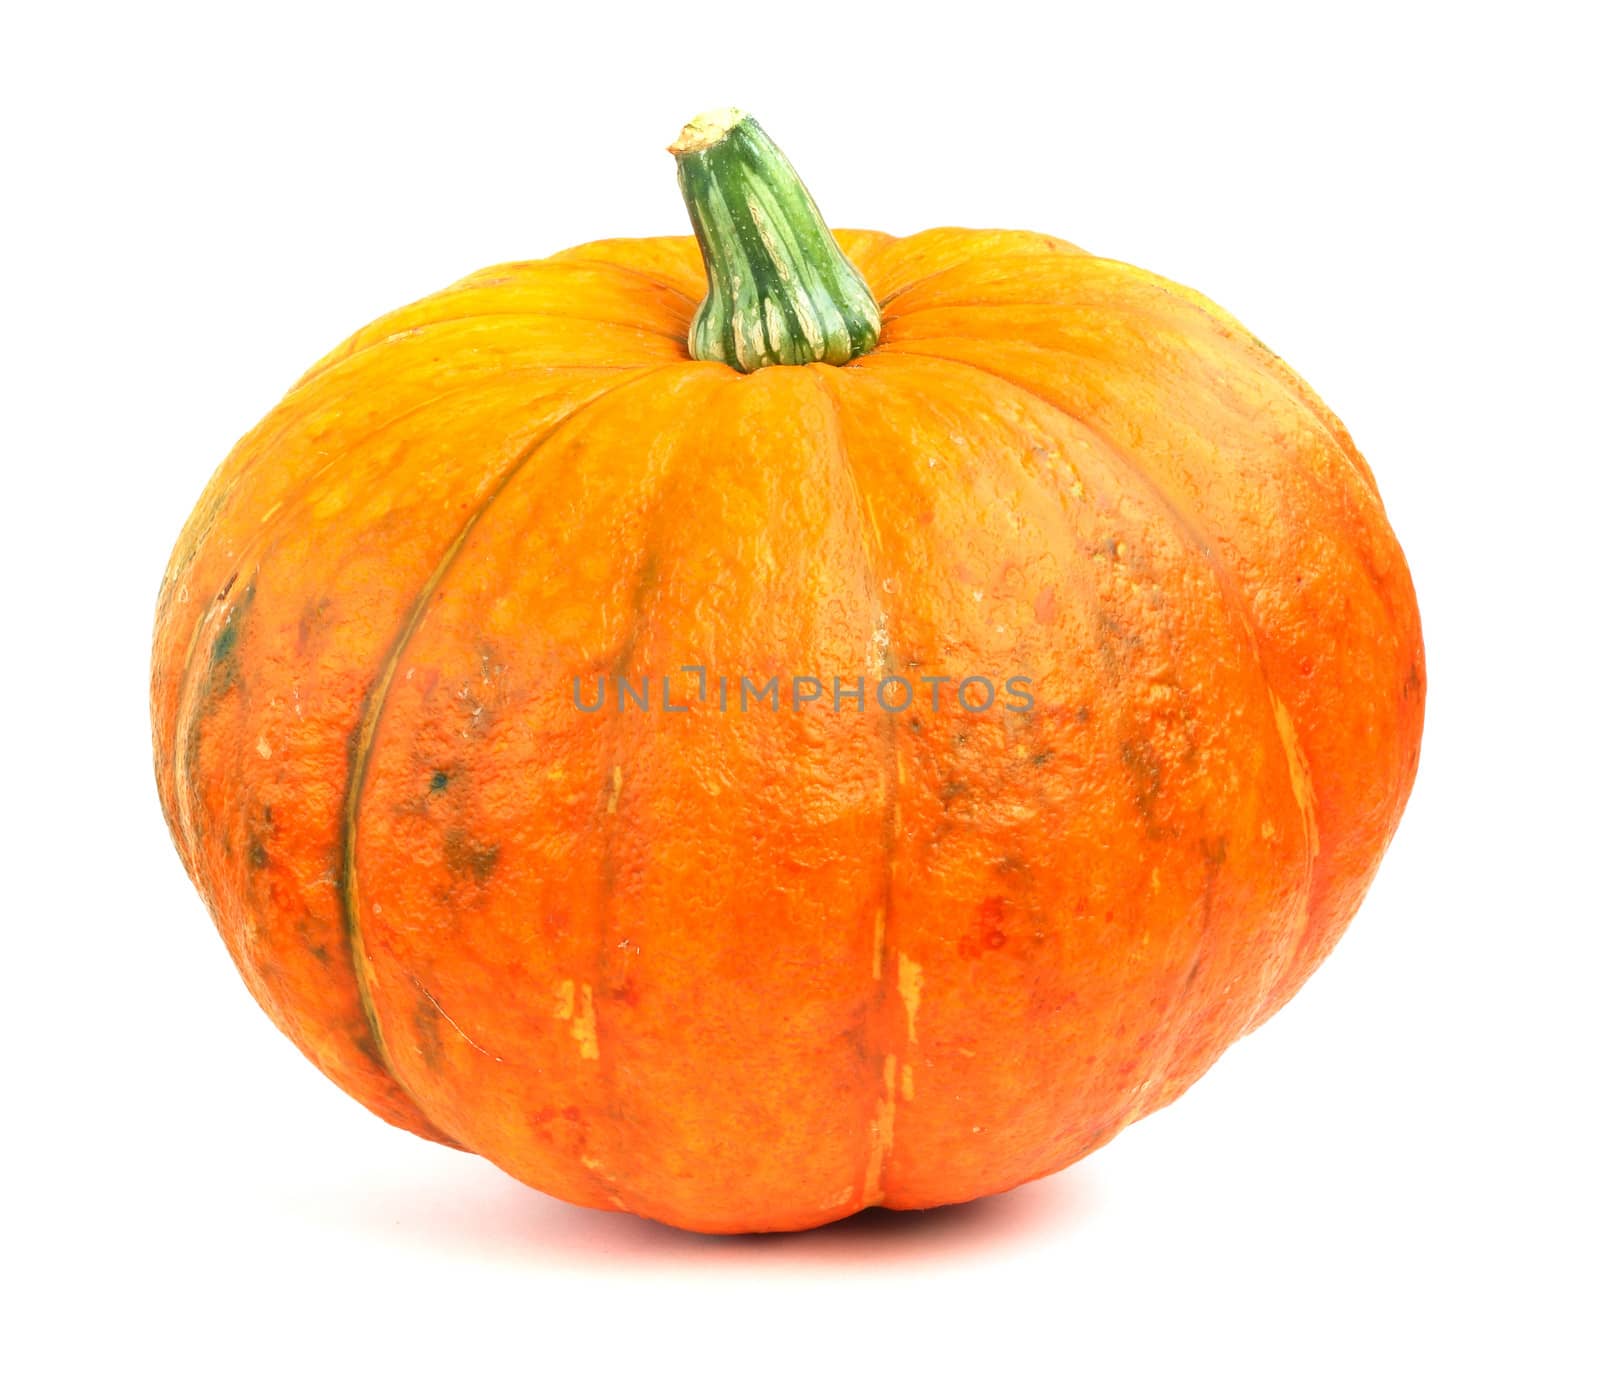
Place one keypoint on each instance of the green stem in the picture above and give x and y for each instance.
(781, 290)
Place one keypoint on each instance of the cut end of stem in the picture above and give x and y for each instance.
(705, 129)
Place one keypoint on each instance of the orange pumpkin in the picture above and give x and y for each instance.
(740, 967)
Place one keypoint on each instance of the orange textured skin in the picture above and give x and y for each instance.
(755, 971)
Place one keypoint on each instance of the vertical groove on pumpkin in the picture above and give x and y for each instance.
(1234, 598)
(290, 504)
(183, 687)
(1252, 353)
(1226, 328)
(372, 712)
(294, 501)
(880, 1128)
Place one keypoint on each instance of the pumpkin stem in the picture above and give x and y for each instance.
(781, 290)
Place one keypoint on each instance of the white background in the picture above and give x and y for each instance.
(1396, 1176)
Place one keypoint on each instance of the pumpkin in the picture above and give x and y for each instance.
(546, 704)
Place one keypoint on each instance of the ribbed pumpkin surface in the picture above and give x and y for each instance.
(755, 970)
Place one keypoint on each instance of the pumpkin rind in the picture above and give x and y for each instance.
(755, 971)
